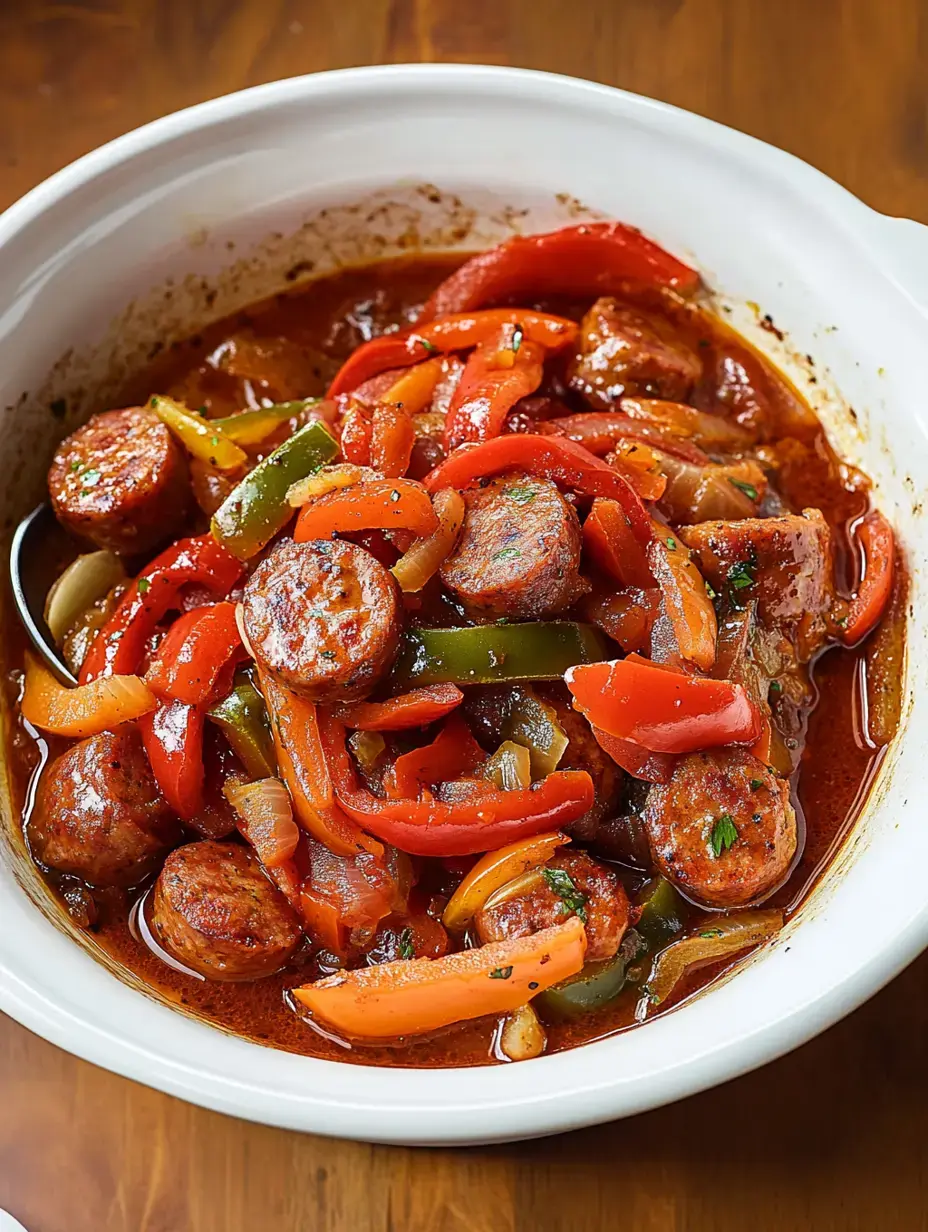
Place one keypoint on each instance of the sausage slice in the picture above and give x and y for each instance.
(121, 480)
(216, 911)
(519, 551)
(323, 618)
(627, 352)
(722, 829)
(99, 814)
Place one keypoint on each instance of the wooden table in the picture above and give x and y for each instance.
(832, 1137)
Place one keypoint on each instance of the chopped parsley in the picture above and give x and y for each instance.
(711, 932)
(143, 585)
(775, 686)
(723, 835)
(740, 576)
(522, 496)
(507, 554)
(76, 467)
(214, 441)
(430, 347)
(756, 784)
(501, 973)
(92, 477)
(671, 543)
(713, 594)
(566, 889)
(154, 400)
(517, 337)
(326, 654)
(407, 949)
(747, 488)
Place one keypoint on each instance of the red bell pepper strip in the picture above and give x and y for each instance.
(356, 433)
(611, 544)
(120, 644)
(584, 261)
(392, 439)
(434, 828)
(453, 752)
(875, 536)
(598, 432)
(190, 661)
(638, 762)
(553, 457)
(660, 709)
(295, 728)
(452, 333)
(378, 504)
(173, 739)
(414, 709)
(497, 374)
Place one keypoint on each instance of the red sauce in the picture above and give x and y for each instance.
(297, 341)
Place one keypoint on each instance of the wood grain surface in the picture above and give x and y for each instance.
(832, 1137)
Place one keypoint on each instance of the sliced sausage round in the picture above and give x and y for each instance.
(627, 352)
(722, 829)
(519, 551)
(323, 618)
(99, 814)
(215, 910)
(572, 883)
(121, 480)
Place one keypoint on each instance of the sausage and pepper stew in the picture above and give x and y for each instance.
(472, 659)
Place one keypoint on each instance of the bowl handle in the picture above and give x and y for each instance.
(904, 245)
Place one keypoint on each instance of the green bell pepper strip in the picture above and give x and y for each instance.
(593, 987)
(254, 511)
(242, 718)
(664, 912)
(488, 654)
(252, 427)
(533, 723)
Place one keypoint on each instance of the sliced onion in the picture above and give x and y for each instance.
(714, 942)
(423, 560)
(266, 819)
(509, 767)
(328, 479)
(517, 888)
(85, 580)
(522, 1036)
(85, 710)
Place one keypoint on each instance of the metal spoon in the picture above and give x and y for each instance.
(30, 558)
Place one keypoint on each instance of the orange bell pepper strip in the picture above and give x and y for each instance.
(552, 457)
(415, 388)
(323, 921)
(875, 536)
(599, 432)
(685, 597)
(380, 504)
(660, 709)
(581, 262)
(497, 374)
(392, 439)
(411, 997)
(86, 710)
(295, 728)
(627, 615)
(494, 870)
(439, 828)
(414, 709)
(453, 752)
(189, 662)
(611, 544)
(452, 333)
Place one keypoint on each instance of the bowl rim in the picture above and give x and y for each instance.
(516, 1110)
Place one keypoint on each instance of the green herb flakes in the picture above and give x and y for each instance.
(406, 947)
(724, 833)
(507, 554)
(740, 576)
(671, 543)
(567, 891)
(517, 337)
(710, 933)
(756, 784)
(501, 973)
(522, 496)
(143, 586)
(747, 488)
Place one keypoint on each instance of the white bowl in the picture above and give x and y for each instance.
(205, 210)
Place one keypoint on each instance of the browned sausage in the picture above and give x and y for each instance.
(216, 911)
(785, 563)
(323, 618)
(722, 829)
(584, 753)
(625, 351)
(121, 480)
(589, 887)
(99, 814)
(519, 551)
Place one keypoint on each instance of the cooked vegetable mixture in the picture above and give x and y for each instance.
(449, 645)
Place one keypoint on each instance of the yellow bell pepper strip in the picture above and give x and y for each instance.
(494, 870)
(488, 654)
(295, 728)
(200, 437)
(411, 997)
(86, 710)
(253, 513)
(253, 427)
(431, 827)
